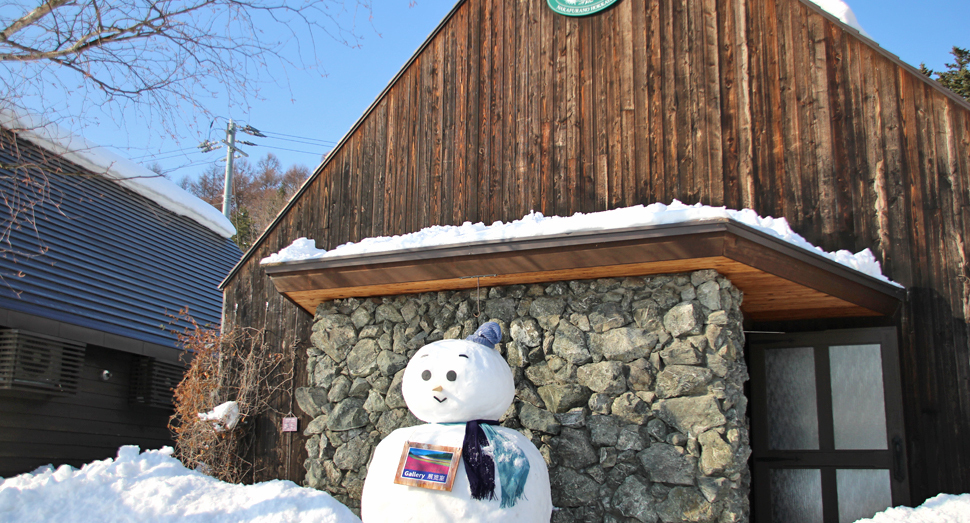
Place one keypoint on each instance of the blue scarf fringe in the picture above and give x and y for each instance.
(512, 463)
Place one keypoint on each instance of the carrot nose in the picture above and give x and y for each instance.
(437, 389)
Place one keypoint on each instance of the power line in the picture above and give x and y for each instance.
(300, 137)
(294, 150)
(189, 165)
(179, 155)
(301, 141)
(161, 153)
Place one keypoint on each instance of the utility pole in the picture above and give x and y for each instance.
(231, 149)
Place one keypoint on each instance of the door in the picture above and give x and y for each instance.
(826, 426)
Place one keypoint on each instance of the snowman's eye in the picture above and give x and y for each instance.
(426, 375)
(451, 375)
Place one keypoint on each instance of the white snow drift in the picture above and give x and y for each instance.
(944, 508)
(99, 160)
(154, 487)
(535, 225)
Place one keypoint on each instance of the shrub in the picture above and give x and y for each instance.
(236, 365)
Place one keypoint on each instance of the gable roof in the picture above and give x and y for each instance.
(95, 255)
(444, 23)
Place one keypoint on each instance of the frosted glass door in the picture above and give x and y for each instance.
(858, 397)
(826, 442)
(862, 493)
(796, 495)
(791, 399)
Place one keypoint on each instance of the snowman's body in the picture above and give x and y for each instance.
(386, 501)
(448, 383)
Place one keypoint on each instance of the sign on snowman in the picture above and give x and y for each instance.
(461, 465)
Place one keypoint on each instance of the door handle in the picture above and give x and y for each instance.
(899, 468)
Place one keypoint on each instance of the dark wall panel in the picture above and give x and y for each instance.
(80, 428)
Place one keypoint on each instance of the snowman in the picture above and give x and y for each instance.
(461, 466)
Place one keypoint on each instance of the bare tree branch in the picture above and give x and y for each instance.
(164, 55)
(31, 18)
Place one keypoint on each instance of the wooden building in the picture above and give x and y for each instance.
(92, 274)
(772, 105)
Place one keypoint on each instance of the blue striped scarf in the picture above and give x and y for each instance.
(513, 465)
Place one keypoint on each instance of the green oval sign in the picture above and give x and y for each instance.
(579, 7)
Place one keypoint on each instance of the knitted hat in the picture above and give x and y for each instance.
(488, 335)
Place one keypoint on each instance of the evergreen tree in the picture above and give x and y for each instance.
(957, 76)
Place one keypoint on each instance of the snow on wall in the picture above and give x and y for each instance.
(535, 225)
(127, 173)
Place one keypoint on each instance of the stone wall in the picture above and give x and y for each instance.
(630, 388)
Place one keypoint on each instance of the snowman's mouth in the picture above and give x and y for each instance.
(440, 400)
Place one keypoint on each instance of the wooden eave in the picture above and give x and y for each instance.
(779, 281)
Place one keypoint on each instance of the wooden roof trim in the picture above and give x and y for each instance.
(444, 21)
(554, 242)
(710, 239)
(582, 238)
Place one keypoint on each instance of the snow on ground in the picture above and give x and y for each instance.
(154, 487)
(57, 140)
(535, 225)
(843, 12)
(944, 508)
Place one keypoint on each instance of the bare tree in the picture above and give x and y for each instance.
(162, 56)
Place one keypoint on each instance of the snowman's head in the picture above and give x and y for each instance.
(459, 380)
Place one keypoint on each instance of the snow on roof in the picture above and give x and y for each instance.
(843, 12)
(55, 139)
(154, 486)
(535, 225)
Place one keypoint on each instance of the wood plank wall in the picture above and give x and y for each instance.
(766, 104)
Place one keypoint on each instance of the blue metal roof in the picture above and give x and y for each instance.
(112, 260)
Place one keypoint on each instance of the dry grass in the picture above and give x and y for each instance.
(225, 366)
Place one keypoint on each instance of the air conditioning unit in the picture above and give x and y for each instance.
(153, 381)
(31, 362)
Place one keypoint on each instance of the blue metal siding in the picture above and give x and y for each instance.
(115, 261)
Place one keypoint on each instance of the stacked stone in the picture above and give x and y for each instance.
(630, 388)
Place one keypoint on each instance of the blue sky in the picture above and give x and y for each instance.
(322, 108)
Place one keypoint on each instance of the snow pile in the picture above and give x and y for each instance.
(944, 508)
(154, 487)
(223, 417)
(843, 12)
(97, 159)
(535, 225)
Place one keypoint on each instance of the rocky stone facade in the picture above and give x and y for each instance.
(630, 388)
